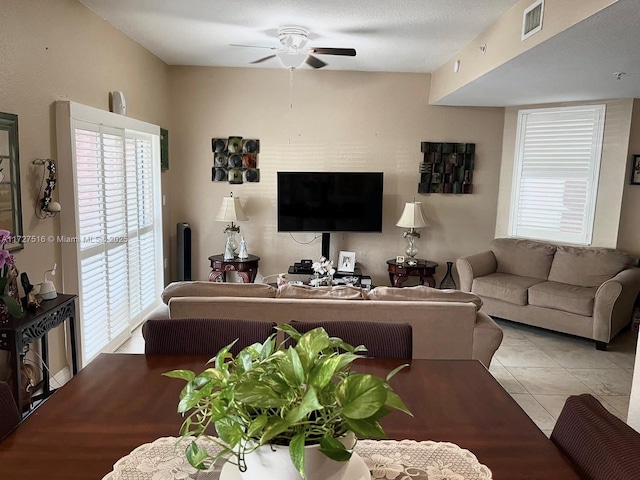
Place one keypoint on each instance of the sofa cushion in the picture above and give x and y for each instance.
(502, 286)
(422, 293)
(587, 266)
(562, 296)
(525, 258)
(215, 289)
(340, 292)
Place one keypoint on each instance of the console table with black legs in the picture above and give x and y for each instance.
(17, 333)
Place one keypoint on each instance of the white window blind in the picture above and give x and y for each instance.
(557, 164)
(117, 226)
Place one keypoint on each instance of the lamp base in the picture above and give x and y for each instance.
(411, 249)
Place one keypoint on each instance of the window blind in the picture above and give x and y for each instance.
(117, 233)
(557, 163)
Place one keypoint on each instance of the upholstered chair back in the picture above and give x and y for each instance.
(9, 413)
(202, 336)
(383, 340)
(599, 444)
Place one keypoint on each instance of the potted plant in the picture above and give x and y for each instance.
(304, 397)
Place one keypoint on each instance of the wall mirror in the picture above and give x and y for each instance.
(10, 203)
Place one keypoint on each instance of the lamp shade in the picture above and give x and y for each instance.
(412, 216)
(231, 211)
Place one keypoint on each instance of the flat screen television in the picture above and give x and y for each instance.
(330, 201)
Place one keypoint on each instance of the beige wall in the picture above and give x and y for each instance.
(59, 49)
(338, 121)
(503, 41)
(612, 170)
(628, 240)
(630, 215)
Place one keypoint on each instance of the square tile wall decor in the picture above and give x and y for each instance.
(446, 167)
(235, 160)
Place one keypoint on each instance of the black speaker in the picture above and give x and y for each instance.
(184, 251)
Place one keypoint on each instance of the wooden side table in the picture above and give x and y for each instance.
(399, 272)
(246, 268)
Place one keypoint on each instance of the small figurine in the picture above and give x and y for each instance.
(228, 251)
(242, 253)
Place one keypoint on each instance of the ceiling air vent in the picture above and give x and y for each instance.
(532, 19)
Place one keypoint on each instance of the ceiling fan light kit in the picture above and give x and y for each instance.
(294, 53)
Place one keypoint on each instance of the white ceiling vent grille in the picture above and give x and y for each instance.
(532, 19)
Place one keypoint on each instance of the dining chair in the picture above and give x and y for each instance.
(382, 339)
(202, 336)
(9, 414)
(598, 444)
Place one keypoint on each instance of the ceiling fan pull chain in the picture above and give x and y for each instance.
(290, 101)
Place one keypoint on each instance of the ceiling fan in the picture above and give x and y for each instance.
(294, 51)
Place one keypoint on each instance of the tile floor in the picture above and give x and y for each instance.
(540, 369)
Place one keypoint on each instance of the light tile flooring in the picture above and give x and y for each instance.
(540, 369)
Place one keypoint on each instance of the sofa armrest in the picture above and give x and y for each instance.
(474, 266)
(614, 303)
(487, 337)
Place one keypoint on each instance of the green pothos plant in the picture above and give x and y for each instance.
(293, 396)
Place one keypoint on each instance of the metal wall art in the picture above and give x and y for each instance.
(446, 167)
(235, 160)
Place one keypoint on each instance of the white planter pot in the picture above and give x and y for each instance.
(274, 463)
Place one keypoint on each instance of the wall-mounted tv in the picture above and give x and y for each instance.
(330, 201)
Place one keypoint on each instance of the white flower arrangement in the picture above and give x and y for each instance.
(324, 267)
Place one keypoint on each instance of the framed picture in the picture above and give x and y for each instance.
(635, 170)
(347, 262)
(400, 259)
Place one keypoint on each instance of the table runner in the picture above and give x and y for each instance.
(164, 459)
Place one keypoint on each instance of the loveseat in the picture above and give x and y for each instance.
(446, 324)
(584, 291)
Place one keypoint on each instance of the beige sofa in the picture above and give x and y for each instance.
(584, 291)
(446, 324)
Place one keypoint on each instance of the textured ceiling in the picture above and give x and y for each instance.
(398, 36)
(575, 65)
(390, 36)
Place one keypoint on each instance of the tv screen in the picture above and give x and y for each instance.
(330, 201)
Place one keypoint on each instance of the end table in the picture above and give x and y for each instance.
(399, 272)
(246, 268)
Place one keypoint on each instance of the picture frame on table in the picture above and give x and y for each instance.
(346, 262)
(635, 170)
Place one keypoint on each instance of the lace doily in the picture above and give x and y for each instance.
(427, 460)
(164, 459)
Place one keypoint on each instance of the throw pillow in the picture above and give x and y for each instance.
(421, 293)
(340, 292)
(215, 289)
(587, 266)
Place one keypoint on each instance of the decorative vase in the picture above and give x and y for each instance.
(273, 462)
(448, 283)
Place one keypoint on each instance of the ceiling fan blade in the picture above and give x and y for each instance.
(260, 60)
(251, 46)
(349, 52)
(315, 62)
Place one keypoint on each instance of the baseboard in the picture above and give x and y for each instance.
(60, 378)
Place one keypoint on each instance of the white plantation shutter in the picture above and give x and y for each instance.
(556, 173)
(117, 227)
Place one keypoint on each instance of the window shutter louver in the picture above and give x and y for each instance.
(556, 173)
(117, 225)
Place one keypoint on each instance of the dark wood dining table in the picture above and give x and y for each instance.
(121, 401)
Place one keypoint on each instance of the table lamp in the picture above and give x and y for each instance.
(231, 211)
(412, 218)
